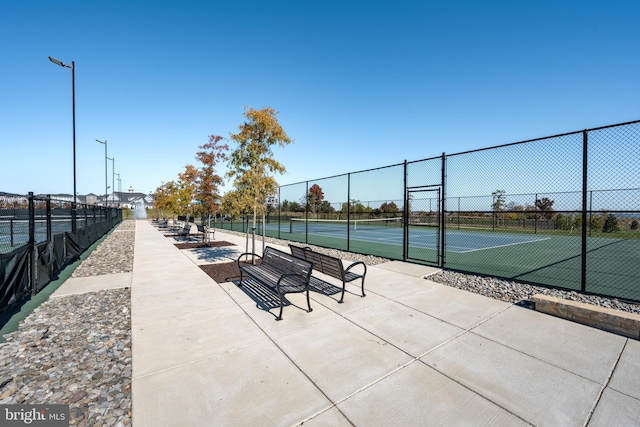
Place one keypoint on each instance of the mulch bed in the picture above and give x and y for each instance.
(195, 245)
(224, 271)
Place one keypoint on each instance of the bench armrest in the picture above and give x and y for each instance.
(246, 254)
(355, 264)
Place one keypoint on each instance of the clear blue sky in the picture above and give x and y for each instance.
(358, 84)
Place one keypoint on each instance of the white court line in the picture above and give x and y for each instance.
(503, 246)
(457, 249)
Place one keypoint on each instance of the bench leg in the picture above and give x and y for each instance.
(363, 294)
(309, 302)
(281, 306)
(342, 297)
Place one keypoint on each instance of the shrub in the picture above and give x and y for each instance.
(610, 224)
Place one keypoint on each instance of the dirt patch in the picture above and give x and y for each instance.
(194, 245)
(224, 271)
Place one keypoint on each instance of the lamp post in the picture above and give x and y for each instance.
(113, 173)
(73, 107)
(106, 193)
(119, 186)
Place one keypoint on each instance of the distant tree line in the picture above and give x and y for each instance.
(314, 203)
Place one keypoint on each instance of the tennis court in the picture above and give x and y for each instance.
(389, 231)
(15, 232)
(546, 259)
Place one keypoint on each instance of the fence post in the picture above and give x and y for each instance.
(590, 211)
(583, 264)
(535, 215)
(306, 214)
(74, 214)
(49, 222)
(405, 216)
(493, 212)
(50, 236)
(348, 211)
(443, 198)
(32, 245)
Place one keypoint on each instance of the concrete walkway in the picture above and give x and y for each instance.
(412, 352)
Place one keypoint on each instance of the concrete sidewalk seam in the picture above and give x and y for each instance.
(194, 361)
(606, 384)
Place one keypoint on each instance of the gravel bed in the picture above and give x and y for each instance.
(113, 255)
(521, 293)
(76, 350)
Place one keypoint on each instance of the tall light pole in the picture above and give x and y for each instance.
(106, 192)
(73, 107)
(119, 186)
(113, 173)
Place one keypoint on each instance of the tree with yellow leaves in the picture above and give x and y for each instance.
(165, 199)
(252, 164)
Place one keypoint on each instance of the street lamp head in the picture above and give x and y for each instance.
(60, 63)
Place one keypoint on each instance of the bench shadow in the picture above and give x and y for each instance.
(322, 287)
(265, 298)
(325, 288)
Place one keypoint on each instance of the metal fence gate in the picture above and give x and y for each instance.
(424, 235)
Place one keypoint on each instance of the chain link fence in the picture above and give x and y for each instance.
(39, 236)
(560, 211)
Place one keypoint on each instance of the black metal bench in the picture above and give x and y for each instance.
(280, 271)
(184, 231)
(204, 231)
(331, 266)
(174, 226)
